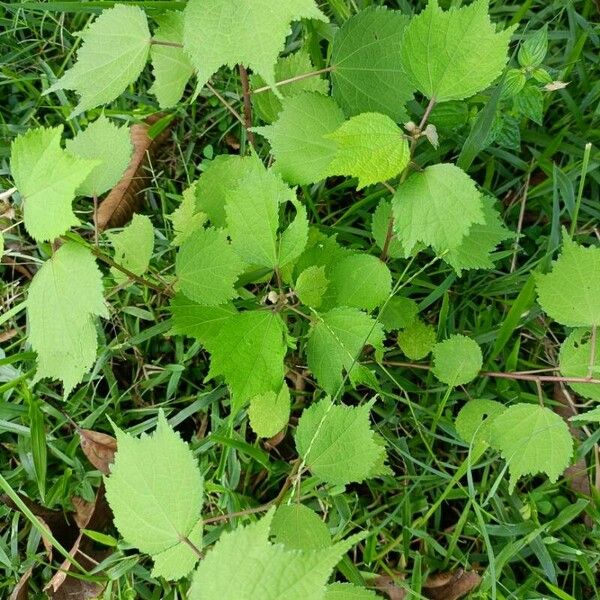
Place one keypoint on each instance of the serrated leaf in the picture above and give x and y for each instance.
(269, 412)
(302, 152)
(133, 247)
(475, 420)
(570, 293)
(336, 441)
(335, 342)
(113, 54)
(532, 51)
(155, 493)
(417, 340)
(532, 439)
(65, 296)
(575, 359)
(311, 286)
(47, 177)
(108, 144)
(170, 65)
(457, 360)
(437, 206)
(529, 103)
(367, 74)
(244, 565)
(398, 313)
(298, 527)
(321, 251)
(267, 104)
(591, 416)
(178, 561)
(185, 218)
(453, 54)
(379, 229)
(348, 591)
(247, 32)
(208, 267)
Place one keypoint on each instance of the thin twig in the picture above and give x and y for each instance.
(266, 88)
(513, 263)
(193, 546)
(592, 364)
(154, 42)
(241, 513)
(226, 104)
(247, 105)
(7, 194)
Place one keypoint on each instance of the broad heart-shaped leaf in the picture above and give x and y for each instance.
(64, 298)
(267, 104)
(248, 352)
(532, 439)
(437, 206)
(102, 141)
(371, 147)
(311, 286)
(349, 591)
(170, 65)
(398, 313)
(298, 527)
(417, 339)
(208, 267)
(244, 565)
(269, 412)
(475, 420)
(113, 54)
(247, 32)
(451, 55)
(302, 152)
(574, 361)
(570, 293)
(367, 74)
(336, 442)
(457, 360)
(133, 247)
(335, 342)
(47, 177)
(185, 218)
(155, 493)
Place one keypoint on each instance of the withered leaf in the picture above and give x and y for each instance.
(99, 448)
(21, 590)
(450, 585)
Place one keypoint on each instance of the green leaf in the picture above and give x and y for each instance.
(248, 353)
(533, 50)
(64, 298)
(185, 218)
(244, 565)
(474, 252)
(371, 147)
(336, 441)
(457, 360)
(529, 103)
(133, 247)
(379, 229)
(453, 54)
(170, 65)
(302, 152)
(311, 286)
(247, 32)
(570, 294)
(113, 54)
(398, 313)
(437, 206)
(591, 416)
(155, 493)
(417, 340)
(178, 561)
(321, 251)
(532, 439)
(267, 104)
(335, 342)
(367, 74)
(575, 359)
(475, 420)
(208, 267)
(107, 144)
(298, 527)
(269, 412)
(47, 177)
(348, 591)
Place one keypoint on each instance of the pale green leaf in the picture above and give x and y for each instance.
(113, 54)
(155, 493)
(335, 342)
(367, 74)
(570, 293)
(437, 206)
(269, 412)
(293, 240)
(208, 267)
(591, 416)
(575, 359)
(453, 54)
(371, 147)
(457, 360)
(170, 65)
(247, 32)
(298, 527)
(64, 298)
(398, 313)
(379, 228)
(185, 218)
(47, 177)
(475, 420)
(417, 340)
(178, 561)
(532, 439)
(133, 247)
(108, 144)
(302, 152)
(321, 251)
(311, 285)
(336, 441)
(348, 591)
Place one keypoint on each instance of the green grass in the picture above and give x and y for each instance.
(439, 512)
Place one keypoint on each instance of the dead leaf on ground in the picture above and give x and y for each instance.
(388, 585)
(450, 585)
(99, 448)
(21, 590)
(127, 196)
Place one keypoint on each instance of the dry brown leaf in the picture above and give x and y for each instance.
(388, 585)
(127, 196)
(99, 448)
(21, 590)
(450, 585)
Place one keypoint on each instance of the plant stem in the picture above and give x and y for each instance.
(247, 104)
(266, 88)
(241, 513)
(192, 546)
(592, 364)
(226, 104)
(154, 42)
(584, 167)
